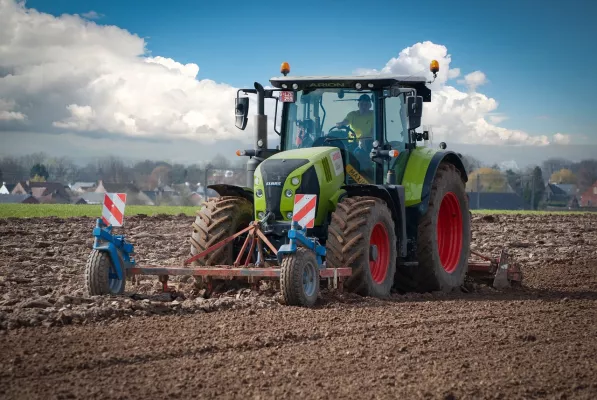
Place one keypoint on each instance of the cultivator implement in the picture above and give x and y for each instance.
(299, 268)
(501, 272)
(300, 263)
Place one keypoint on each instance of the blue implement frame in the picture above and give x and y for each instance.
(116, 246)
(297, 233)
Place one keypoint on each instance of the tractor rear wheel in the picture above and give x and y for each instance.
(219, 218)
(444, 237)
(361, 236)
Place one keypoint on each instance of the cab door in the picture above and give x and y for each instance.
(395, 133)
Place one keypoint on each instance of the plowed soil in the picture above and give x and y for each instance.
(536, 341)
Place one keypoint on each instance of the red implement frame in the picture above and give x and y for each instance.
(503, 270)
(249, 270)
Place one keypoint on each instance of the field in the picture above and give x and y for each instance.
(537, 341)
(84, 210)
(71, 210)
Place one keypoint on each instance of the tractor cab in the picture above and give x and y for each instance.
(357, 115)
(371, 119)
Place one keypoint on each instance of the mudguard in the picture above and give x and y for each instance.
(437, 158)
(393, 195)
(232, 190)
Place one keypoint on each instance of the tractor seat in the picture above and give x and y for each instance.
(320, 141)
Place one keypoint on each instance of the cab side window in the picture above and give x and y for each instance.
(396, 123)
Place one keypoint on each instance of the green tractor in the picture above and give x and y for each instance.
(387, 206)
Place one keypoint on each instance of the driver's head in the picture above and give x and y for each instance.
(364, 103)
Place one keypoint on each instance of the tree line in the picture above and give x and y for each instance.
(146, 174)
(530, 182)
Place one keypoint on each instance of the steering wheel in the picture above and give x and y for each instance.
(346, 132)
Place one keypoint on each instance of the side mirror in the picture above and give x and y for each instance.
(414, 111)
(241, 112)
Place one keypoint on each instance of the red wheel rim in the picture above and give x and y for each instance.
(379, 267)
(449, 232)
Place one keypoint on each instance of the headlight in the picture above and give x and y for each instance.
(260, 214)
(289, 215)
(259, 192)
(288, 193)
(295, 181)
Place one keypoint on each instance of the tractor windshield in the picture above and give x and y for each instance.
(334, 113)
(346, 119)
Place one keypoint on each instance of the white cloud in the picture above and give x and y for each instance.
(68, 73)
(497, 118)
(560, 138)
(453, 73)
(92, 15)
(456, 116)
(474, 80)
(7, 113)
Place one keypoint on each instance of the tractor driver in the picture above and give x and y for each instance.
(361, 120)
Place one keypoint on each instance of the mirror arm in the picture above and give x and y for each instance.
(276, 117)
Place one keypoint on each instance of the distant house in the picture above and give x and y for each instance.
(570, 188)
(167, 190)
(133, 194)
(18, 198)
(589, 197)
(90, 198)
(44, 192)
(83, 187)
(7, 188)
(555, 195)
(495, 201)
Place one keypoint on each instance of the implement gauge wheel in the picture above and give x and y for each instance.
(100, 275)
(444, 237)
(299, 278)
(361, 236)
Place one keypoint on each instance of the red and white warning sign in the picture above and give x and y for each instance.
(113, 211)
(304, 210)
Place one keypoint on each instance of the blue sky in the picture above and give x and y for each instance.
(537, 55)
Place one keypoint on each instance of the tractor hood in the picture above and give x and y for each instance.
(279, 178)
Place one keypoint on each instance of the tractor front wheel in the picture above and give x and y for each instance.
(219, 218)
(299, 278)
(361, 236)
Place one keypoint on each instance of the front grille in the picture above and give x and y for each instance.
(326, 169)
(277, 170)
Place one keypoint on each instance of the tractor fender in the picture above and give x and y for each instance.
(233, 190)
(394, 197)
(439, 157)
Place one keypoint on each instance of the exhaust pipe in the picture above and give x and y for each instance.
(260, 135)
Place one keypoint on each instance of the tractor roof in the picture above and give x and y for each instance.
(368, 82)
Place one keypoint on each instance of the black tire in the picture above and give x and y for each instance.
(349, 245)
(97, 279)
(447, 201)
(295, 290)
(219, 218)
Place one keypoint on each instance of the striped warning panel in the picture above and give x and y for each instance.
(304, 210)
(113, 210)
